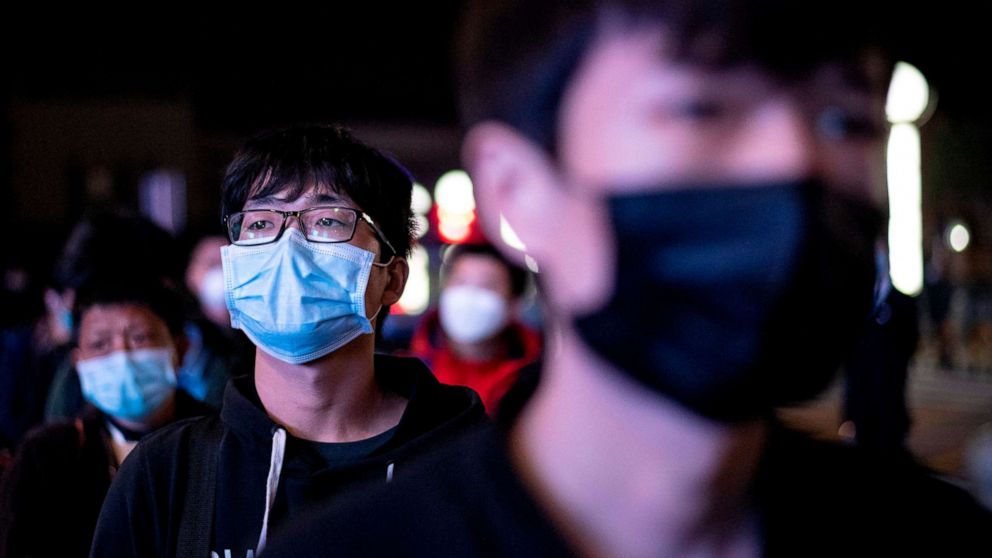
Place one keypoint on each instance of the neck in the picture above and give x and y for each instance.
(332, 399)
(487, 349)
(670, 482)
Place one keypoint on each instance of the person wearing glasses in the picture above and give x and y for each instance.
(319, 227)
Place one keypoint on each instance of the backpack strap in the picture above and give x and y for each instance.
(196, 523)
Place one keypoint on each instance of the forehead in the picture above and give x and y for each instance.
(295, 197)
(637, 110)
(116, 317)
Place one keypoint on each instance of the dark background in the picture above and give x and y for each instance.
(93, 97)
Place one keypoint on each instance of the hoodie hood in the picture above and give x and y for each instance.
(433, 411)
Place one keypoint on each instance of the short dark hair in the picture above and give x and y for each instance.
(516, 57)
(518, 275)
(103, 290)
(117, 241)
(329, 157)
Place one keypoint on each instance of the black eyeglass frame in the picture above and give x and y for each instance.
(228, 222)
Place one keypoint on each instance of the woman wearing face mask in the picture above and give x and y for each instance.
(473, 338)
(129, 344)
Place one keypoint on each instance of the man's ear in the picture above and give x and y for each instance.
(399, 272)
(514, 179)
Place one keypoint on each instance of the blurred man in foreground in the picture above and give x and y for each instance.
(700, 184)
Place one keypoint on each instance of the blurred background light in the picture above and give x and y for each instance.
(958, 236)
(455, 206)
(908, 100)
(417, 294)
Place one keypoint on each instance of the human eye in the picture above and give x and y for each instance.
(329, 224)
(96, 345)
(698, 109)
(258, 223)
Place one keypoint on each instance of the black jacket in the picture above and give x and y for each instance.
(50, 497)
(141, 515)
(813, 498)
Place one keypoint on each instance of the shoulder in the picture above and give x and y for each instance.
(170, 445)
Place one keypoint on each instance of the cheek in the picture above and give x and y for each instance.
(578, 268)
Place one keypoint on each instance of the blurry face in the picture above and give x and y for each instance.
(480, 271)
(206, 256)
(633, 119)
(106, 329)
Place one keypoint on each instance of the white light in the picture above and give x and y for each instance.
(958, 237)
(509, 236)
(531, 264)
(417, 294)
(420, 200)
(453, 192)
(905, 213)
(909, 94)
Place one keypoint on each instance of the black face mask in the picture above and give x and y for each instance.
(735, 300)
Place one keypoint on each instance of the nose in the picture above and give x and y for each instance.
(294, 218)
(120, 342)
(779, 142)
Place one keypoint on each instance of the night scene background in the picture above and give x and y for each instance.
(99, 104)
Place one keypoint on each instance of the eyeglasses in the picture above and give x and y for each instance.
(319, 224)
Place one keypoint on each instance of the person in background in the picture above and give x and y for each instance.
(474, 338)
(106, 242)
(33, 341)
(129, 342)
(320, 226)
(701, 185)
(216, 351)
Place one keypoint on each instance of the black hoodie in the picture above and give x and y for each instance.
(141, 515)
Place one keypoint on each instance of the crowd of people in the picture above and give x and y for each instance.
(698, 186)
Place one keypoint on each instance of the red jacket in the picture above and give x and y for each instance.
(491, 378)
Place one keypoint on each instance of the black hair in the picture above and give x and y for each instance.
(103, 290)
(515, 57)
(518, 275)
(117, 241)
(326, 156)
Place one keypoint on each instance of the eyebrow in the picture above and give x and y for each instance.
(273, 199)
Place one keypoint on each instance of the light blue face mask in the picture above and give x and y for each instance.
(129, 385)
(298, 300)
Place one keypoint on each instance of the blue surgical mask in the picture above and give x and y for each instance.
(130, 385)
(298, 300)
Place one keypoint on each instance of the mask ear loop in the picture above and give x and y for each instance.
(382, 265)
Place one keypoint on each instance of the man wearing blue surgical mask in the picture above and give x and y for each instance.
(319, 227)
(128, 345)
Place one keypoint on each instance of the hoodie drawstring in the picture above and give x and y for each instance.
(272, 483)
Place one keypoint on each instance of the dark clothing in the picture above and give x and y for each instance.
(26, 372)
(814, 499)
(141, 516)
(51, 496)
(875, 376)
